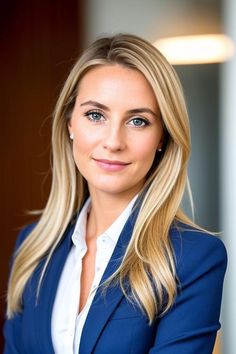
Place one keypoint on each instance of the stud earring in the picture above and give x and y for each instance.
(71, 136)
(159, 149)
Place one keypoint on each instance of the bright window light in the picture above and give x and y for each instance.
(200, 49)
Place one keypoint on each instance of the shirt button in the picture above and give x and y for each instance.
(98, 269)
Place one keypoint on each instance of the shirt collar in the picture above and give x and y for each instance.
(114, 230)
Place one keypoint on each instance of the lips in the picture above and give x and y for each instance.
(111, 165)
(112, 162)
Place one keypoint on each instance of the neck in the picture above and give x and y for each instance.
(104, 211)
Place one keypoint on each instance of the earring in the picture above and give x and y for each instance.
(159, 149)
(71, 136)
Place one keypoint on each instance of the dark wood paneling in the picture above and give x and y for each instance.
(39, 42)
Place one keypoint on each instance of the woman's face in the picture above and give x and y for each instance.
(117, 129)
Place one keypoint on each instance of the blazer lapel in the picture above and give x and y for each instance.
(103, 305)
(48, 292)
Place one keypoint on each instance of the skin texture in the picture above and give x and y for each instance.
(116, 129)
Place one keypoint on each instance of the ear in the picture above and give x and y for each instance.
(69, 126)
(70, 130)
(161, 143)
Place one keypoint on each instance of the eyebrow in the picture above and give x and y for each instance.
(132, 111)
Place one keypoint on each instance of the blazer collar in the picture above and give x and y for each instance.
(43, 309)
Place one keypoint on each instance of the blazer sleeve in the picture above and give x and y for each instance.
(12, 327)
(190, 326)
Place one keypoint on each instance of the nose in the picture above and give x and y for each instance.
(114, 139)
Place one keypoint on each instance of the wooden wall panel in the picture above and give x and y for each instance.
(39, 41)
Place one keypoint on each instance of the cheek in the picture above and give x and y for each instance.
(146, 156)
(81, 151)
(145, 149)
(84, 141)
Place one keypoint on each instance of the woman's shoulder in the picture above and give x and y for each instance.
(188, 233)
(197, 249)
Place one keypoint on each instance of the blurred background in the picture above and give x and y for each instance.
(40, 42)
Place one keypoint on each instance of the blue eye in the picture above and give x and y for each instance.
(139, 122)
(94, 116)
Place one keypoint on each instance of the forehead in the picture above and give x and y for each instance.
(117, 82)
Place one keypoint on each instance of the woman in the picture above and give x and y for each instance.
(114, 265)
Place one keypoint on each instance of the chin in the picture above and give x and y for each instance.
(110, 190)
(116, 188)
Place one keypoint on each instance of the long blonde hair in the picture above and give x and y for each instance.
(149, 252)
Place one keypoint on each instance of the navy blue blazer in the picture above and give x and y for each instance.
(113, 324)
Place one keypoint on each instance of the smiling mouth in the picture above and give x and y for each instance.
(111, 165)
(112, 162)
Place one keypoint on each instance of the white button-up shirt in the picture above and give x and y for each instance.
(67, 324)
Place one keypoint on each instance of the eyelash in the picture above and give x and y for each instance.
(144, 121)
(89, 113)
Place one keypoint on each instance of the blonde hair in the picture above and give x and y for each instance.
(149, 262)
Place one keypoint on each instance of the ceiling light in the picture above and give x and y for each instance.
(197, 49)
